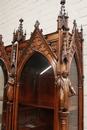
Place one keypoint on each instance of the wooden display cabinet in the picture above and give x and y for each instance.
(32, 71)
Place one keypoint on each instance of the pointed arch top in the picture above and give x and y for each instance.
(76, 46)
(37, 43)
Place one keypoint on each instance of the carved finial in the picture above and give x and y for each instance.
(18, 35)
(82, 33)
(62, 2)
(63, 18)
(14, 31)
(1, 37)
(21, 20)
(81, 28)
(74, 23)
(20, 26)
(25, 33)
(37, 24)
(41, 30)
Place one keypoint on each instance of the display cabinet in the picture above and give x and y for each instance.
(41, 79)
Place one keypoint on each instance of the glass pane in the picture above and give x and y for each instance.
(36, 94)
(73, 100)
(37, 80)
(3, 81)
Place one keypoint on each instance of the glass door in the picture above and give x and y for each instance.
(3, 81)
(73, 100)
(36, 93)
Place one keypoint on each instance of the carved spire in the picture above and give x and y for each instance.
(0, 37)
(81, 33)
(20, 26)
(19, 36)
(63, 48)
(74, 23)
(63, 18)
(74, 27)
(13, 60)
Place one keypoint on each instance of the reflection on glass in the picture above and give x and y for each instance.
(45, 70)
(73, 100)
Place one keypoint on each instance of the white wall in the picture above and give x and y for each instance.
(46, 11)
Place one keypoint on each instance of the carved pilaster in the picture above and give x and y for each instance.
(9, 116)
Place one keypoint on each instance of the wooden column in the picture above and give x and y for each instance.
(56, 115)
(9, 116)
(80, 110)
(15, 107)
(63, 120)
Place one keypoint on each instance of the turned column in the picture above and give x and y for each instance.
(63, 120)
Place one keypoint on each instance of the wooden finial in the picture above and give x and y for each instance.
(0, 37)
(74, 23)
(37, 24)
(62, 2)
(21, 20)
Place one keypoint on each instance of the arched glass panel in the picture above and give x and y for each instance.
(3, 81)
(73, 100)
(37, 91)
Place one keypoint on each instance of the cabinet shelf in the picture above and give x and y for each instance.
(39, 105)
(36, 126)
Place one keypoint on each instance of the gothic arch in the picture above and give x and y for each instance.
(27, 58)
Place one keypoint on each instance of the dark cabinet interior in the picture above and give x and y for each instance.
(35, 118)
(36, 93)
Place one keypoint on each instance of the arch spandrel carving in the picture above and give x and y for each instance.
(37, 43)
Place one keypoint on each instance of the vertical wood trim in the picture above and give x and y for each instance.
(64, 120)
(56, 109)
(16, 107)
(13, 114)
(7, 116)
(80, 110)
